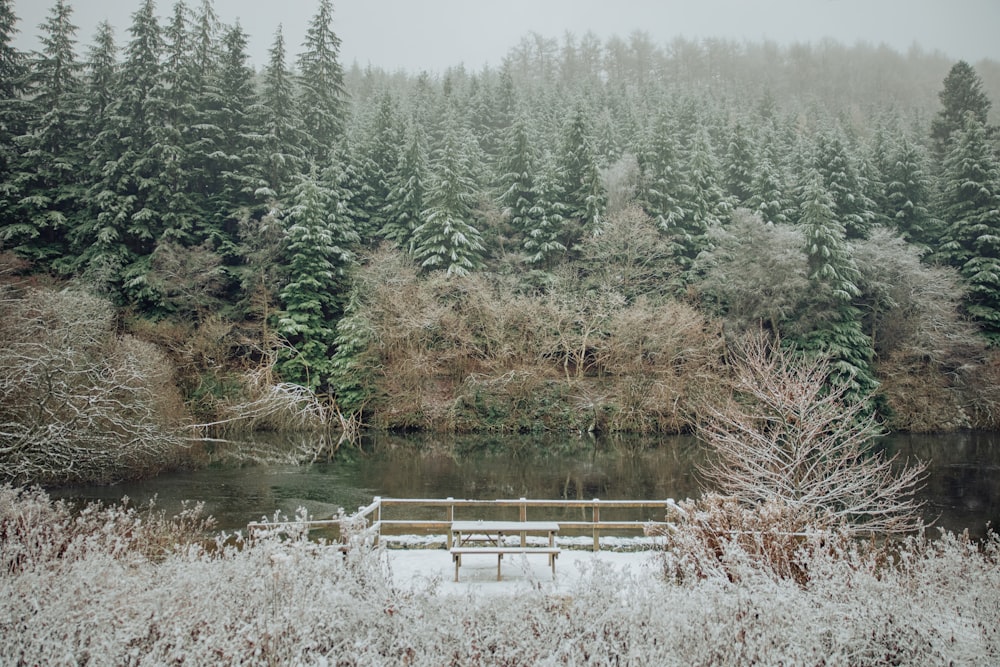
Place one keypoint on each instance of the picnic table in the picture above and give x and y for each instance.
(493, 537)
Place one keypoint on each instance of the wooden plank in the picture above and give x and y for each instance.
(504, 526)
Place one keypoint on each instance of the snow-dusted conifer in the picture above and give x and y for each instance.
(447, 240)
(321, 86)
(971, 211)
(319, 238)
(832, 270)
(281, 152)
(404, 207)
(46, 174)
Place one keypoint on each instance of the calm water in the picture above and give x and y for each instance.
(962, 490)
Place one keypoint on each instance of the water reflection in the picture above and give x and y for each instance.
(962, 490)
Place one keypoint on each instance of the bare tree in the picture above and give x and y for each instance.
(783, 436)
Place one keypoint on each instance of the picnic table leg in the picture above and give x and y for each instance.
(499, 558)
(458, 563)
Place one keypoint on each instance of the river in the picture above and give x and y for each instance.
(246, 481)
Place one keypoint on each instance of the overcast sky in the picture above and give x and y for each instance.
(436, 34)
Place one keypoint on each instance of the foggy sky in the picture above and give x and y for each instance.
(435, 34)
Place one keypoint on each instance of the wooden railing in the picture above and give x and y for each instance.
(379, 515)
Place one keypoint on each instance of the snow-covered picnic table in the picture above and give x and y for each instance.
(490, 537)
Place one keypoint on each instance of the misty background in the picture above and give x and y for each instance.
(436, 34)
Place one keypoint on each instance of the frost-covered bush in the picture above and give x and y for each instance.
(78, 402)
(293, 602)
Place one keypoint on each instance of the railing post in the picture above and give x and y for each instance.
(378, 518)
(597, 519)
(449, 515)
(523, 513)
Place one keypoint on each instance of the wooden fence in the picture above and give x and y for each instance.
(386, 516)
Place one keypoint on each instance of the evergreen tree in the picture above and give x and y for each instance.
(545, 220)
(204, 160)
(12, 66)
(282, 144)
(517, 174)
(702, 201)
(236, 100)
(404, 206)
(321, 85)
(908, 196)
(101, 72)
(46, 175)
(180, 87)
(842, 181)
(12, 113)
(379, 161)
(971, 210)
(447, 240)
(833, 272)
(768, 191)
(962, 94)
(663, 180)
(318, 254)
(131, 195)
(740, 166)
(580, 180)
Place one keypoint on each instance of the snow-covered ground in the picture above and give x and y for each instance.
(416, 567)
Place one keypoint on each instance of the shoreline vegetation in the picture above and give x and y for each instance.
(575, 241)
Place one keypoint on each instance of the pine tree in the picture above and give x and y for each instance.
(517, 174)
(321, 84)
(180, 86)
(768, 190)
(101, 71)
(12, 112)
(962, 94)
(318, 254)
(130, 197)
(240, 176)
(971, 211)
(282, 146)
(447, 240)
(832, 270)
(842, 181)
(580, 180)
(702, 200)
(663, 179)
(740, 165)
(908, 196)
(404, 207)
(545, 219)
(380, 155)
(46, 174)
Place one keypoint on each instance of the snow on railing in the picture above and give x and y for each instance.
(371, 519)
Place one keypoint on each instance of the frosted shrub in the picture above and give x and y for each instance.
(78, 402)
(290, 601)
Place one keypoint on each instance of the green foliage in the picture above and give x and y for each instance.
(971, 210)
(579, 180)
(318, 242)
(446, 240)
(321, 86)
(840, 340)
(908, 196)
(962, 94)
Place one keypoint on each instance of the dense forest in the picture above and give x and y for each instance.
(568, 240)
